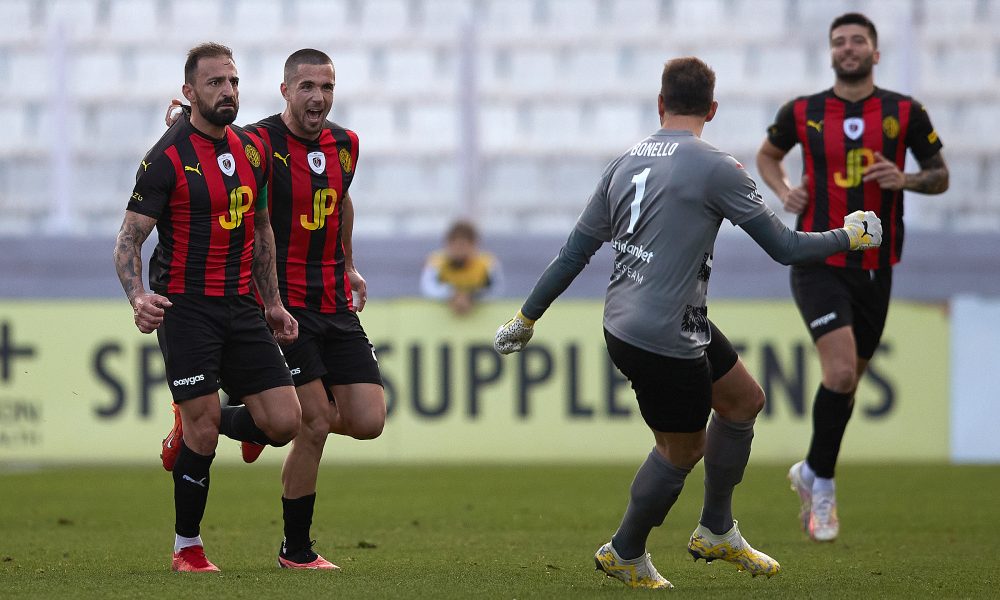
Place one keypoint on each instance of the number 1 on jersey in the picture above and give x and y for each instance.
(640, 190)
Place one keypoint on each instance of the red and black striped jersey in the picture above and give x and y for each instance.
(308, 183)
(203, 193)
(839, 141)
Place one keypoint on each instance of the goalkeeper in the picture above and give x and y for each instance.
(661, 205)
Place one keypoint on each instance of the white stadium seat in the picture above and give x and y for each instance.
(562, 86)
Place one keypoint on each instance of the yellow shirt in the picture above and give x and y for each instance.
(442, 277)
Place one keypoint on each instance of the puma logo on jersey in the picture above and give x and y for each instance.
(283, 159)
(144, 165)
(817, 126)
(194, 169)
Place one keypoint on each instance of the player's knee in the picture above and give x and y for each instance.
(368, 427)
(202, 436)
(842, 380)
(755, 402)
(283, 428)
(314, 431)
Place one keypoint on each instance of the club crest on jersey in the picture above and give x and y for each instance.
(252, 155)
(317, 162)
(345, 160)
(890, 127)
(854, 127)
(227, 163)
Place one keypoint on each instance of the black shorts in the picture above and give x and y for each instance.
(720, 352)
(207, 339)
(332, 346)
(831, 297)
(674, 394)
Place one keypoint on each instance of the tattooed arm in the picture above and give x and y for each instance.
(147, 307)
(932, 178)
(286, 329)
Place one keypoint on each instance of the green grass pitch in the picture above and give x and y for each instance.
(487, 531)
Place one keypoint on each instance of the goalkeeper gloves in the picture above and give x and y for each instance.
(864, 229)
(513, 335)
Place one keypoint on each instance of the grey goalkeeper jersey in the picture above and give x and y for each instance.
(660, 205)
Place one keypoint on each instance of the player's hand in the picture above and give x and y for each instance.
(864, 230)
(283, 324)
(884, 172)
(797, 198)
(360, 289)
(148, 310)
(513, 335)
(173, 112)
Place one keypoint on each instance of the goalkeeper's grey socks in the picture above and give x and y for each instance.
(727, 450)
(654, 490)
(831, 412)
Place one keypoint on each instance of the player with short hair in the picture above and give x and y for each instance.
(660, 204)
(332, 362)
(854, 138)
(203, 186)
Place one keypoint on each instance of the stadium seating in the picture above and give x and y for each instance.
(562, 86)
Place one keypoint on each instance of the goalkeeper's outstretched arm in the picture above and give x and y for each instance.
(572, 258)
(862, 230)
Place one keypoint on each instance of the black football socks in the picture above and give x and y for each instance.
(831, 412)
(297, 515)
(190, 490)
(237, 423)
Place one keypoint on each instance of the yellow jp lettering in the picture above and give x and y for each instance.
(858, 160)
(240, 201)
(324, 201)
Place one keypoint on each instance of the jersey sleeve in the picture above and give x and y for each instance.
(921, 137)
(153, 187)
(782, 132)
(733, 193)
(352, 159)
(266, 156)
(595, 220)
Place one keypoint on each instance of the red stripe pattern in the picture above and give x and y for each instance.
(309, 181)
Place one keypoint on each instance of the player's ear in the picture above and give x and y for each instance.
(712, 110)
(876, 56)
(660, 108)
(188, 92)
(284, 90)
